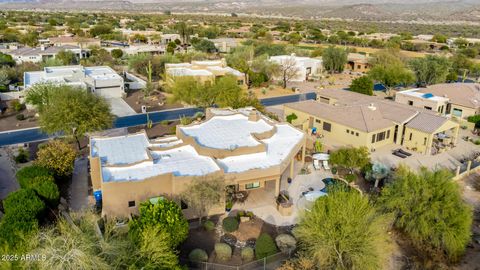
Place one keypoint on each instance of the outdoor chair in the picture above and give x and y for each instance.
(325, 165)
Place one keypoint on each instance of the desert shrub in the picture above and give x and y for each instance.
(198, 115)
(265, 246)
(26, 174)
(20, 117)
(209, 225)
(24, 204)
(198, 255)
(164, 122)
(57, 156)
(47, 190)
(247, 254)
(350, 178)
(17, 106)
(15, 229)
(23, 156)
(230, 224)
(286, 242)
(223, 251)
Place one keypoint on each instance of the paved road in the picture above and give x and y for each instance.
(34, 134)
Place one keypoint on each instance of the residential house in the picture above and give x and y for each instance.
(82, 42)
(42, 53)
(136, 49)
(459, 100)
(357, 62)
(101, 80)
(344, 118)
(224, 45)
(203, 71)
(250, 151)
(307, 68)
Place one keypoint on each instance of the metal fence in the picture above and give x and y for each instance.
(268, 263)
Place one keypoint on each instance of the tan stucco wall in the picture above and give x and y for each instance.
(420, 102)
(466, 111)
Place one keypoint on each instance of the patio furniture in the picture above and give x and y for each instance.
(400, 150)
(316, 164)
(325, 165)
(398, 154)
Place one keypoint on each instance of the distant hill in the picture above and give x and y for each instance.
(374, 10)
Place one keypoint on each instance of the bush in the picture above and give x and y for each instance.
(198, 115)
(247, 254)
(265, 246)
(20, 117)
(47, 190)
(23, 156)
(17, 106)
(13, 230)
(350, 178)
(57, 156)
(291, 117)
(26, 174)
(209, 225)
(223, 251)
(477, 142)
(198, 255)
(24, 204)
(286, 242)
(230, 224)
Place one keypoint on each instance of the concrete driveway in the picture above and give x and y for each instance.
(79, 186)
(8, 183)
(120, 108)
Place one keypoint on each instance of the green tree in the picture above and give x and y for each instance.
(350, 158)
(389, 70)
(344, 231)
(26, 174)
(204, 194)
(294, 38)
(362, 85)
(227, 92)
(439, 38)
(428, 207)
(57, 156)
(117, 53)
(101, 29)
(66, 57)
(461, 65)
(431, 69)
(163, 214)
(334, 59)
(6, 60)
(171, 46)
(205, 45)
(66, 109)
(4, 77)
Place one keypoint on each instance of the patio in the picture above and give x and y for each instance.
(262, 202)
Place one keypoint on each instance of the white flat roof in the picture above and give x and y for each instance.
(415, 93)
(120, 150)
(279, 146)
(181, 161)
(227, 132)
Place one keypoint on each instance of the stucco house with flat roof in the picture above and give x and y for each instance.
(203, 71)
(459, 100)
(307, 68)
(248, 149)
(358, 120)
(101, 80)
(42, 53)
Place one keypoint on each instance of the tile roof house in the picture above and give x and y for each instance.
(248, 149)
(42, 53)
(350, 118)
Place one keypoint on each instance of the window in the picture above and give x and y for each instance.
(356, 134)
(425, 141)
(352, 132)
(240, 82)
(411, 136)
(381, 136)
(183, 205)
(131, 203)
(359, 66)
(252, 185)
(348, 131)
(410, 103)
(388, 134)
(428, 108)
(327, 126)
(373, 138)
(318, 121)
(457, 112)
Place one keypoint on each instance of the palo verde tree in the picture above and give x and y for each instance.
(57, 156)
(344, 231)
(431, 69)
(204, 194)
(429, 209)
(70, 110)
(363, 85)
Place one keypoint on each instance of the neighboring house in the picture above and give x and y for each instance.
(357, 62)
(459, 100)
(167, 38)
(136, 49)
(307, 68)
(238, 32)
(42, 53)
(101, 80)
(224, 45)
(7, 47)
(81, 42)
(203, 71)
(251, 151)
(346, 118)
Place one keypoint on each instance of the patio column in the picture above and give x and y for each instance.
(277, 187)
(303, 153)
(292, 166)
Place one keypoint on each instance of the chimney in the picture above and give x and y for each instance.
(254, 116)
(42, 47)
